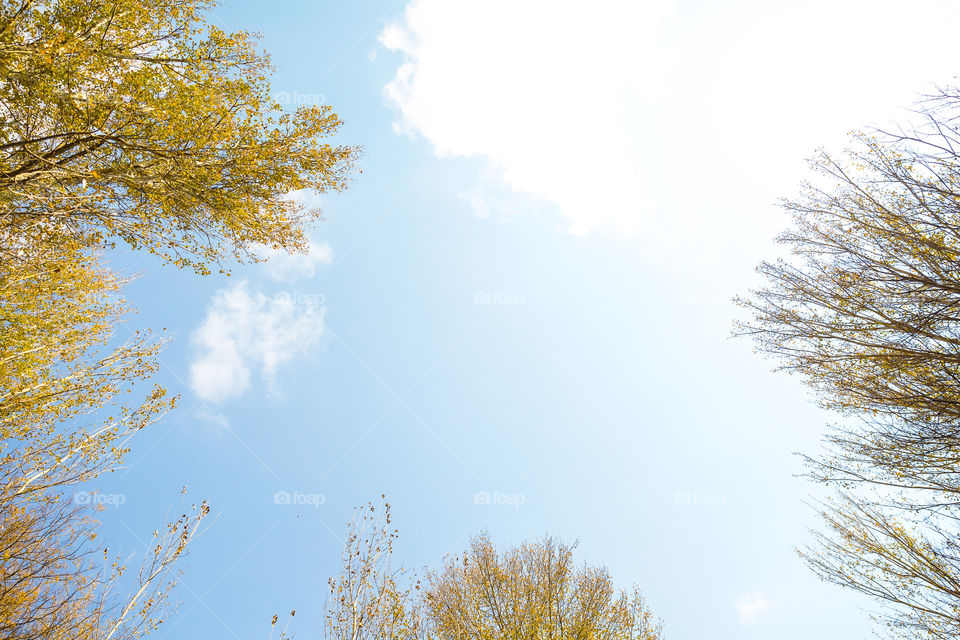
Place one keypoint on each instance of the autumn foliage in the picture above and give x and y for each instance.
(135, 123)
(142, 122)
(868, 312)
(534, 590)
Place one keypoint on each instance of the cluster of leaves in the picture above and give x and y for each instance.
(142, 122)
(868, 313)
(138, 123)
(52, 586)
(532, 591)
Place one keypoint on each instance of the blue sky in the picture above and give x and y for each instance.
(524, 296)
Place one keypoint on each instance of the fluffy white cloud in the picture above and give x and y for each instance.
(215, 419)
(286, 267)
(520, 83)
(749, 606)
(244, 331)
(616, 109)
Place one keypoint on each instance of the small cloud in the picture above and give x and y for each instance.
(306, 197)
(283, 266)
(749, 606)
(217, 420)
(479, 202)
(490, 198)
(245, 330)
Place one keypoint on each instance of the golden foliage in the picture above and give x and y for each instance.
(58, 372)
(51, 587)
(140, 123)
(530, 592)
(868, 311)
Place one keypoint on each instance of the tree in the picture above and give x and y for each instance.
(121, 121)
(51, 587)
(59, 376)
(532, 592)
(139, 121)
(366, 601)
(59, 371)
(867, 313)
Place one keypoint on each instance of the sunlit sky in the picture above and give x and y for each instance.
(517, 318)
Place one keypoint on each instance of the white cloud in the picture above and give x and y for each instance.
(635, 114)
(244, 331)
(283, 266)
(749, 606)
(519, 83)
(219, 421)
(306, 197)
(488, 198)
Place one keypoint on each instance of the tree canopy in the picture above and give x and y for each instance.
(121, 122)
(534, 591)
(868, 312)
(143, 122)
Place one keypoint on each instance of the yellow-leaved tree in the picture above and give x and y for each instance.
(132, 122)
(142, 122)
(868, 311)
(534, 591)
